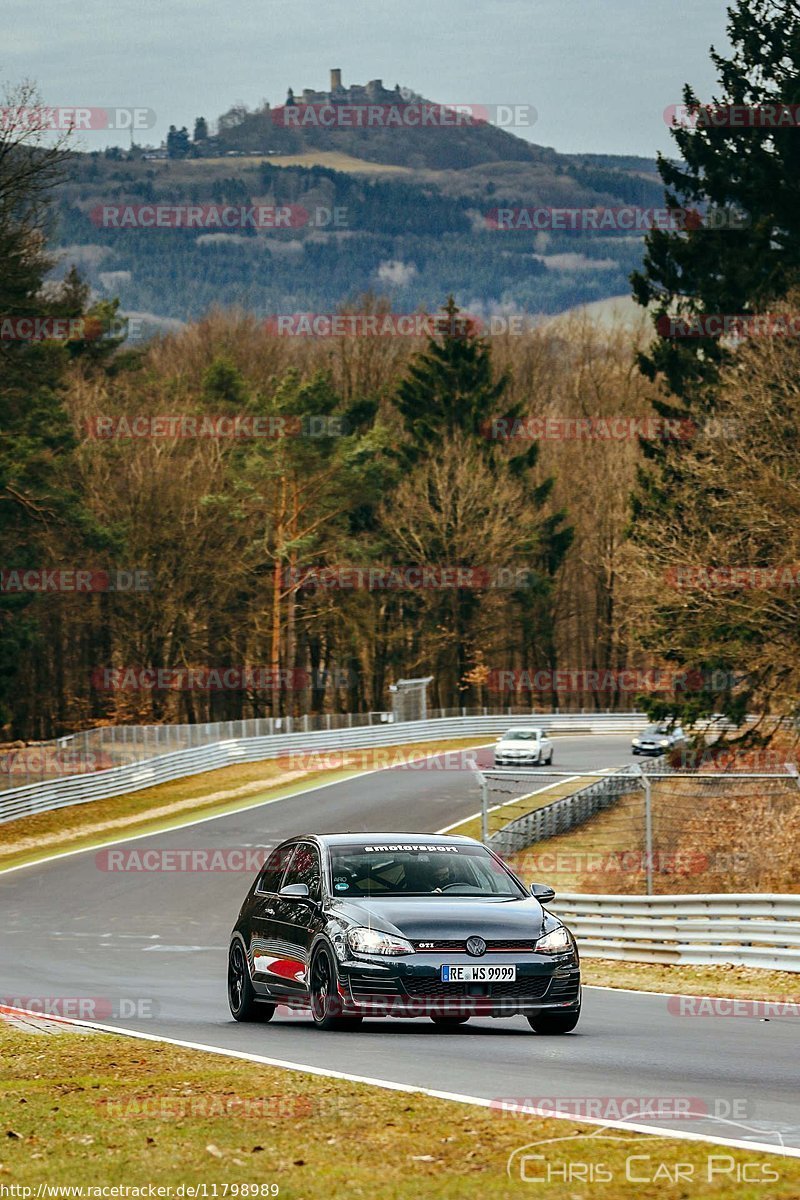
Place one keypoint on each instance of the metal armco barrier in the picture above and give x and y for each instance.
(57, 793)
(749, 930)
(564, 814)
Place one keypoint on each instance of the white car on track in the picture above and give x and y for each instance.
(523, 747)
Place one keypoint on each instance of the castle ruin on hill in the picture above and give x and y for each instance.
(370, 93)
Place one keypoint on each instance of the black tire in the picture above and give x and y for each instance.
(550, 759)
(553, 1021)
(448, 1022)
(326, 1004)
(242, 999)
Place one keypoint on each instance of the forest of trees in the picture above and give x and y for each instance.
(227, 530)
(441, 240)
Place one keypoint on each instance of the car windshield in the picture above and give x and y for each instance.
(657, 731)
(409, 870)
(522, 735)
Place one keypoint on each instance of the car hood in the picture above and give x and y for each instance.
(444, 918)
(515, 745)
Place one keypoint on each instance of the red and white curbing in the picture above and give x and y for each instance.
(31, 1022)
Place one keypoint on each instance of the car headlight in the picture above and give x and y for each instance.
(374, 941)
(665, 742)
(555, 942)
(635, 742)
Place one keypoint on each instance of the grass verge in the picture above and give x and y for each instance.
(97, 1110)
(83, 826)
(520, 806)
(690, 980)
(566, 862)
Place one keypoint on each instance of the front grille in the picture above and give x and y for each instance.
(565, 988)
(533, 987)
(373, 989)
(459, 947)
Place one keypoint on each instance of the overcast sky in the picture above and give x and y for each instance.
(599, 72)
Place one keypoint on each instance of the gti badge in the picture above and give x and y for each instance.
(476, 946)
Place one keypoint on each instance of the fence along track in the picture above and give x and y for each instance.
(745, 929)
(116, 781)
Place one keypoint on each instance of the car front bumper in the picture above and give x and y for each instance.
(413, 989)
(528, 760)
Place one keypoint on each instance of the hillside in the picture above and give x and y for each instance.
(395, 126)
(398, 215)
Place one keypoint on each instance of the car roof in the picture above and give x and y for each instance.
(369, 839)
(524, 729)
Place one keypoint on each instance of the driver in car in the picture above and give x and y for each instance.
(443, 875)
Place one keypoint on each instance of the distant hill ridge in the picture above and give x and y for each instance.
(414, 235)
(467, 143)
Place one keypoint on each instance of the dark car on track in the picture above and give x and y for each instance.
(658, 739)
(357, 925)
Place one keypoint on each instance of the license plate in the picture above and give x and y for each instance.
(476, 974)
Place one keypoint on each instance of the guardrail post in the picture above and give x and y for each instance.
(648, 834)
(484, 809)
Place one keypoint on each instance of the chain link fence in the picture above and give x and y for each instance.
(110, 746)
(646, 830)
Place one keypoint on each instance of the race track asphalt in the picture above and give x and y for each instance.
(73, 930)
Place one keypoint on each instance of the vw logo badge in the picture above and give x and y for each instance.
(476, 946)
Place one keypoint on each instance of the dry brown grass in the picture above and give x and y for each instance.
(103, 1111)
(714, 835)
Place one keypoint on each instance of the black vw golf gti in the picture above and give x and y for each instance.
(406, 925)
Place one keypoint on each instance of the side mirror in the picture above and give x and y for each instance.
(295, 891)
(542, 893)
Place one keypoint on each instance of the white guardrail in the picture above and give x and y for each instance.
(58, 793)
(749, 930)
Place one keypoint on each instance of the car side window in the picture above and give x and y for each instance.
(305, 868)
(272, 875)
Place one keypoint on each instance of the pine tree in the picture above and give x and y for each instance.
(39, 503)
(449, 394)
(749, 173)
(747, 176)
